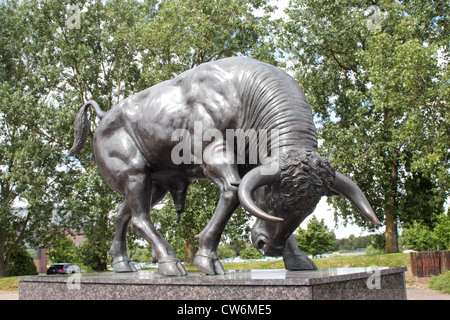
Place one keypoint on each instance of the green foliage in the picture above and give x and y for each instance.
(382, 260)
(93, 255)
(316, 238)
(373, 244)
(353, 243)
(51, 65)
(250, 253)
(185, 34)
(139, 254)
(21, 263)
(378, 242)
(379, 94)
(380, 98)
(441, 231)
(441, 282)
(420, 237)
(371, 251)
(63, 250)
(239, 244)
(225, 251)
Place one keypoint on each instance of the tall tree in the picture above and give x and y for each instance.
(56, 55)
(30, 167)
(376, 77)
(186, 33)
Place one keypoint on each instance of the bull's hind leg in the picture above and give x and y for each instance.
(138, 198)
(122, 263)
(124, 168)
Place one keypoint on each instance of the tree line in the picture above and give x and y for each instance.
(375, 74)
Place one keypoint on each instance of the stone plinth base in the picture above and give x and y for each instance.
(276, 284)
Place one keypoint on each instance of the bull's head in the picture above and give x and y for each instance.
(283, 200)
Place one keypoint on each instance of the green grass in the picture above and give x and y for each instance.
(381, 260)
(277, 264)
(441, 282)
(9, 284)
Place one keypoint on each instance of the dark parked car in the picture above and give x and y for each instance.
(64, 268)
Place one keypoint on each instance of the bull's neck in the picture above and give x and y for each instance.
(273, 102)
(294, 140)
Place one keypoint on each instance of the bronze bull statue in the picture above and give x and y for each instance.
(139, 157)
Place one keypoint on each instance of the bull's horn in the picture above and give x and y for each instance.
(254, 179)
(349, 189)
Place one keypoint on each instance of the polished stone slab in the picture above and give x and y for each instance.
(273, 284)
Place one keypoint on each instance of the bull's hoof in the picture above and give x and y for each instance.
(208, 265)
(299, 262)
(172, 268)
(124, 266)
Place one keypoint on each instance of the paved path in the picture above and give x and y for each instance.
(9, 295)
(425, 294)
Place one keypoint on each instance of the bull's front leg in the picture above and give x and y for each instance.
(206, 258)
(294, 258)
(226, 177)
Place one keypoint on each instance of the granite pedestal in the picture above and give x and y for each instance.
(275, 284)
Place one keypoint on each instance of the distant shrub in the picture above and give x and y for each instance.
(371, 251)
(21, 263)
(250, 253)
(225, 252)
(418, 236)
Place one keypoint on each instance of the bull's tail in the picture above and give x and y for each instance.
(82, 126)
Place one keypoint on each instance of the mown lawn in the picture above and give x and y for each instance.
(381, 260)
(9, 284)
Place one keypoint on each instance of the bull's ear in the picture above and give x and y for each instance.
(254, 179)
(346, 187)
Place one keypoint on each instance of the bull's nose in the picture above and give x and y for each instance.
(260, 244)
(267, 249)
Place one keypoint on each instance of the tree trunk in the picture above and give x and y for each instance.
(391, 221)
(189, 252)
(3, 268)
(391, 231)
(4, 256)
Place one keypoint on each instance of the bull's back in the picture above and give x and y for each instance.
(206, 97)
(230, 93)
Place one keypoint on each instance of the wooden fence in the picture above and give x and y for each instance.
(427, 263)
